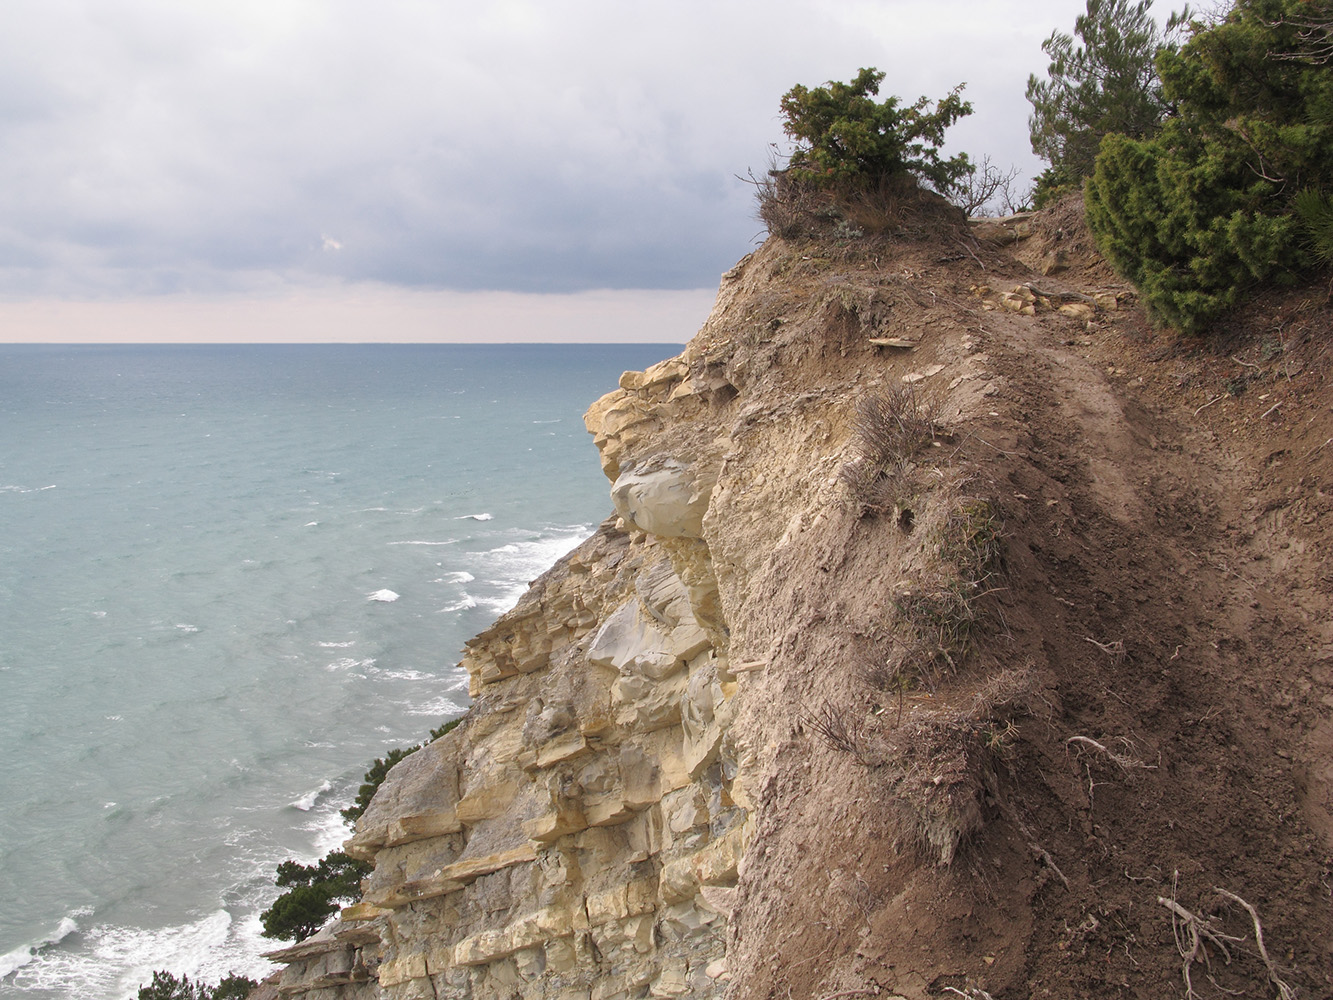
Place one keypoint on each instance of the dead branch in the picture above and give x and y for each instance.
(1210, 403)
(832, 726)
(1284, 992)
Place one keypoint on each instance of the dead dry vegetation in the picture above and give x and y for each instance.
(1060, 651)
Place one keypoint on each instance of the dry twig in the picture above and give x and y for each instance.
(973, 993)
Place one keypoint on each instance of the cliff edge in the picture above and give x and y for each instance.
(955, 634)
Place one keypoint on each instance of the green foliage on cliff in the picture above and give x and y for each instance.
(1203, 212)
(374, 777)
(165, 986)
(1316, 213)
(844, 136)
(379, 770)
(316, 891)
(1106, 85)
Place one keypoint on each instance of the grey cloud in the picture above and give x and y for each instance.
(149, 145)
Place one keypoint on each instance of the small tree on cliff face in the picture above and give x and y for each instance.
(845, 137)
(1106, 85)
(314, 894)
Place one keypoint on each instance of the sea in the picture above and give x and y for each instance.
(230, 578)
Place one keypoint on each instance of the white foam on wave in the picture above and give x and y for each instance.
(462, 576)
(337, 645)
(328, 830)
(421, 541)
(307, 801)
(475, 517)
(26, 489)
(311, 524)
(467, 601)
(385, 596)
(349, 663)
(114, 961)
(11, 961)
(515, 565)
(437, 708)
(404, 675)
(181, 626)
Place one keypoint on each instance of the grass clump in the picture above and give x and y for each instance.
(891, 429)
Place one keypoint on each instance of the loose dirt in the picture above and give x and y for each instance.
(1164, 623)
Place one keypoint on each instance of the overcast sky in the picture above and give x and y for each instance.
(201, 161)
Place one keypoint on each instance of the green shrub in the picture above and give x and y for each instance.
(165, 986)
(1316, 215)
(1201, 213)
(846, 137)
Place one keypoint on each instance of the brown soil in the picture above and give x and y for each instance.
(1162, 634)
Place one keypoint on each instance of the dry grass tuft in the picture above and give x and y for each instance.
(891, 429)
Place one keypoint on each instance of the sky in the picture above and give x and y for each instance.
(430, 170)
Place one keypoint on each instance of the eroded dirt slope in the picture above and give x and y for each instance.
(1143, 718)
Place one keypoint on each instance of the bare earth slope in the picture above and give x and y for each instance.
(1019, 682)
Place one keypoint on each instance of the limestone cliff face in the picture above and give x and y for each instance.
(583, 832)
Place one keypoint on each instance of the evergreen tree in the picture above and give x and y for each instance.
(844, 136)
(165, 986)
(1204, 211)
(1105, 85)
(314, 894)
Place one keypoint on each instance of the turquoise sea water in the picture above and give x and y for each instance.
(229, 578)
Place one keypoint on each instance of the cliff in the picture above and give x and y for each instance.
(954, 632)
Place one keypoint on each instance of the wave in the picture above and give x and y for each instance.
(462, 576)
(26, 489)
(307, 801)
(515, 565)
(336, 645)
(348, 663)
(440, 708)
(414, 541)
(467, 602)
(13, 960)
(383, 596)
(475, 517)
(405, 675)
